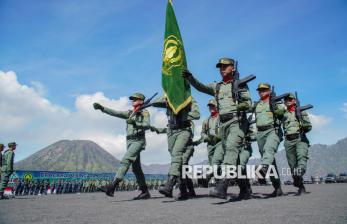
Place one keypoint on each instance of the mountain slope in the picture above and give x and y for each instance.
(66, 155)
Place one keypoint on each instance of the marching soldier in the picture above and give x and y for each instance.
(137, 123)
(296, 143)
(7, 168)
(209, 134)
(232, 102)
(179, 133)
(269, 135)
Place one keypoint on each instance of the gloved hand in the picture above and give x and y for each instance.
(207, 139)
(216, 139)
(130, 121)
(306, 127)
(196, 143)
(154, 129)
(186, 74)
(98, 106)
(242, 106)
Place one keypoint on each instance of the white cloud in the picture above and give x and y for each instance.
(319, 121)
(29, 118)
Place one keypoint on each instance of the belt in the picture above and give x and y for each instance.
(227, 117)
(135, 137)
(180, 125)
(292, 137)
(265, 128)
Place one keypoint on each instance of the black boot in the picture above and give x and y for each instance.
(302, 189)
(144, 193)
(183, 194)
(168, 187)
(276, 183)
(190, 187)
(263, 172)
(220, 191)
(245, 192)
(296, 181)
(109, 189)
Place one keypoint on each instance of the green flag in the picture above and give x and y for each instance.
(176, 88)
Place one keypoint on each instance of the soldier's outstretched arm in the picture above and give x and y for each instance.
(159, 102)
(115, 113)
(208, 89)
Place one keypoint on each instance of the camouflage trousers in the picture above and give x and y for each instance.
(268, 142)
(297, 155)
(189, 152)
(215, 154)
(5, 178)
(132, 157)
(177, 142)
(232, 141)
(245, 154)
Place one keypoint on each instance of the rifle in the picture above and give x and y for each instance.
(146, 104)
(274, 99)
(237, 83)
(299, 109)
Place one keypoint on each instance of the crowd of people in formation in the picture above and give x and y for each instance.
(23, 187)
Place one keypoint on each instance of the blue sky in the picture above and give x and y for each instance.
(65, 49)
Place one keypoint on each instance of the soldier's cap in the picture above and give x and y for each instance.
(225, 61)
(136, 96)
(263, 85)
(290, 96)
(11, 144)
(212, 102)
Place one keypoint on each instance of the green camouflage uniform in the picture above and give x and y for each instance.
(179, 132)
(209, 134)
(296, 143)
(189, 152)
(231, 131)
(136, 142)
(6, 168)
(232, 120)
(268, 138)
